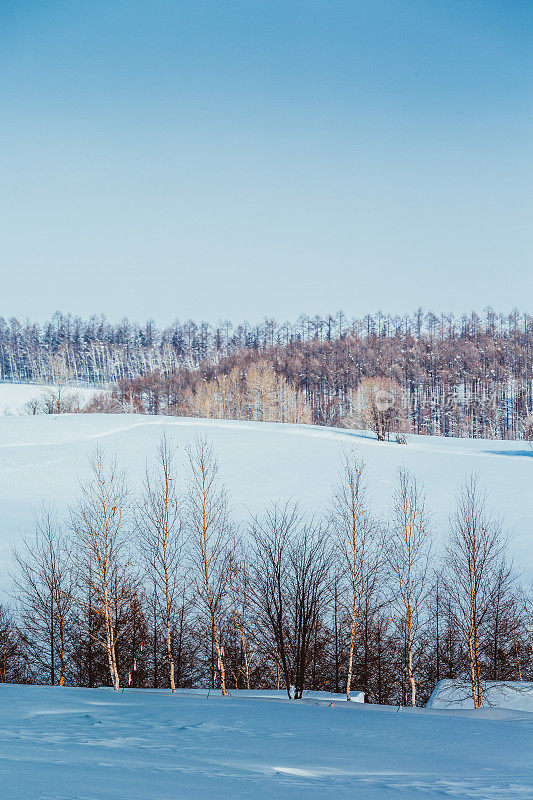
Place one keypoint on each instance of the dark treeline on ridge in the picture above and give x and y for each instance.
(469, 376)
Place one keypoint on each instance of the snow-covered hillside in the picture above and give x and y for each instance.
(14, 396)
(94, 744)
(517, 695)
(46, 457)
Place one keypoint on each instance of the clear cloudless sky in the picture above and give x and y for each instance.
(242, 158)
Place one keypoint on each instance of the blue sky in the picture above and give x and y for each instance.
(239, 159)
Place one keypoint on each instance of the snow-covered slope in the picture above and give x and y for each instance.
(94, 744)
(498, 694)
(14, 396)
(46, 456)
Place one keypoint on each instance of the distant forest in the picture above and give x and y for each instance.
(420, 373)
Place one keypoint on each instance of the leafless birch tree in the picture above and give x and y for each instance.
(359, 542)
(476, 547)
(99, 525)
(160, 537)
(409, 546)
(210, 534)
(58, 398)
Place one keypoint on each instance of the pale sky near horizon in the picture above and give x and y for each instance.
(251, 158)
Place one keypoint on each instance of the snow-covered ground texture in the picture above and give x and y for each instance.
(94, 744)
(517, 695)
(47, 456)
(15, 396)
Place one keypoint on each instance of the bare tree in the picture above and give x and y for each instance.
(160, 537)
(210, 534)
(12, 657)
(527, 428)
(57, 397)
(245, 618)
(45, 591)
(99, 525)
(33, 406)
(309, 586)
(360, 543)
(409, 547)
(378, 405)
(291, 581)
(272, 536)
(475, 550)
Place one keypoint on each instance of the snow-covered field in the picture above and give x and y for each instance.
(14, 396)
(47, 456)
(93, 744)
(81, 744)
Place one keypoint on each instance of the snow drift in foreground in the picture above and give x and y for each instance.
(46, 456)
(94, 744)
(496, 694)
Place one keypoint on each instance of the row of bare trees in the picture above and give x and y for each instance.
(470, 376)
(167, 590)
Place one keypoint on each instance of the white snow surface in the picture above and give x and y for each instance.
(47, 457)
(14, 396)
(517, 695)
(96, 744)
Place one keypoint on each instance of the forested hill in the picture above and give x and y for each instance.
(462, 376)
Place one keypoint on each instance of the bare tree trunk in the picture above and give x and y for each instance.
(169, 644)
(62, 650)
(110, 640)
(410, 655)
(355, 622)
(52, 642)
